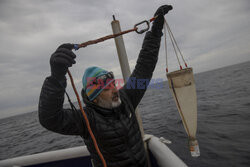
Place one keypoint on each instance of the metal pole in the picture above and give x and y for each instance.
(123, 59)
(121, 51)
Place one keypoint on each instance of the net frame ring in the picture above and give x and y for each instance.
(142, 30)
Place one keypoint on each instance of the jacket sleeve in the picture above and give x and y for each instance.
(51, 113)
(145, 65)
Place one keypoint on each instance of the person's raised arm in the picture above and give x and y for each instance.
(148, 56)
(51, 113)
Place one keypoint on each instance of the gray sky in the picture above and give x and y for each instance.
(211, 34)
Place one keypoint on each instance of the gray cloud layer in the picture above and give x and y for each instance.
(211, 34)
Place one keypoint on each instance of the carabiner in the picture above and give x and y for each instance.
(143, 30)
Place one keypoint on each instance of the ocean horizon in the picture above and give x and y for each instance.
(223, 122)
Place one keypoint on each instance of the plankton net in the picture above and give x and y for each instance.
(182, 86)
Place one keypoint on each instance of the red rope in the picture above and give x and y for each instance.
(87, 122)
(91, 42)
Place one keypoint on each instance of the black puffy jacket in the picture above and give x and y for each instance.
(116, 130)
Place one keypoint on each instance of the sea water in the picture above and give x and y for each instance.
(223, 122)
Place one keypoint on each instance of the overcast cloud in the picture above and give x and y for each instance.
(211, 34)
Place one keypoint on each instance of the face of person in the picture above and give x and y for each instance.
(109, 98)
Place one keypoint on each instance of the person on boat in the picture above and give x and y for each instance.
(111, 112)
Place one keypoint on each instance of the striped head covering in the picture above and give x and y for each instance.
(92, 85)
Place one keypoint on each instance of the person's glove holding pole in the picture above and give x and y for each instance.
(61, 60)
(159, 21)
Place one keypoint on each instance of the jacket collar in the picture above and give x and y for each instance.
(100, 110)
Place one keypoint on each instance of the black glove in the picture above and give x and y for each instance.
(159, 21)
(61, 60)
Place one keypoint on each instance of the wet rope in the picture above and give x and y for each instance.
(91, 42)
(165, 44)
(87, 121)
(175, 45)
(172, 41)
(179, 106)
(76, 47)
